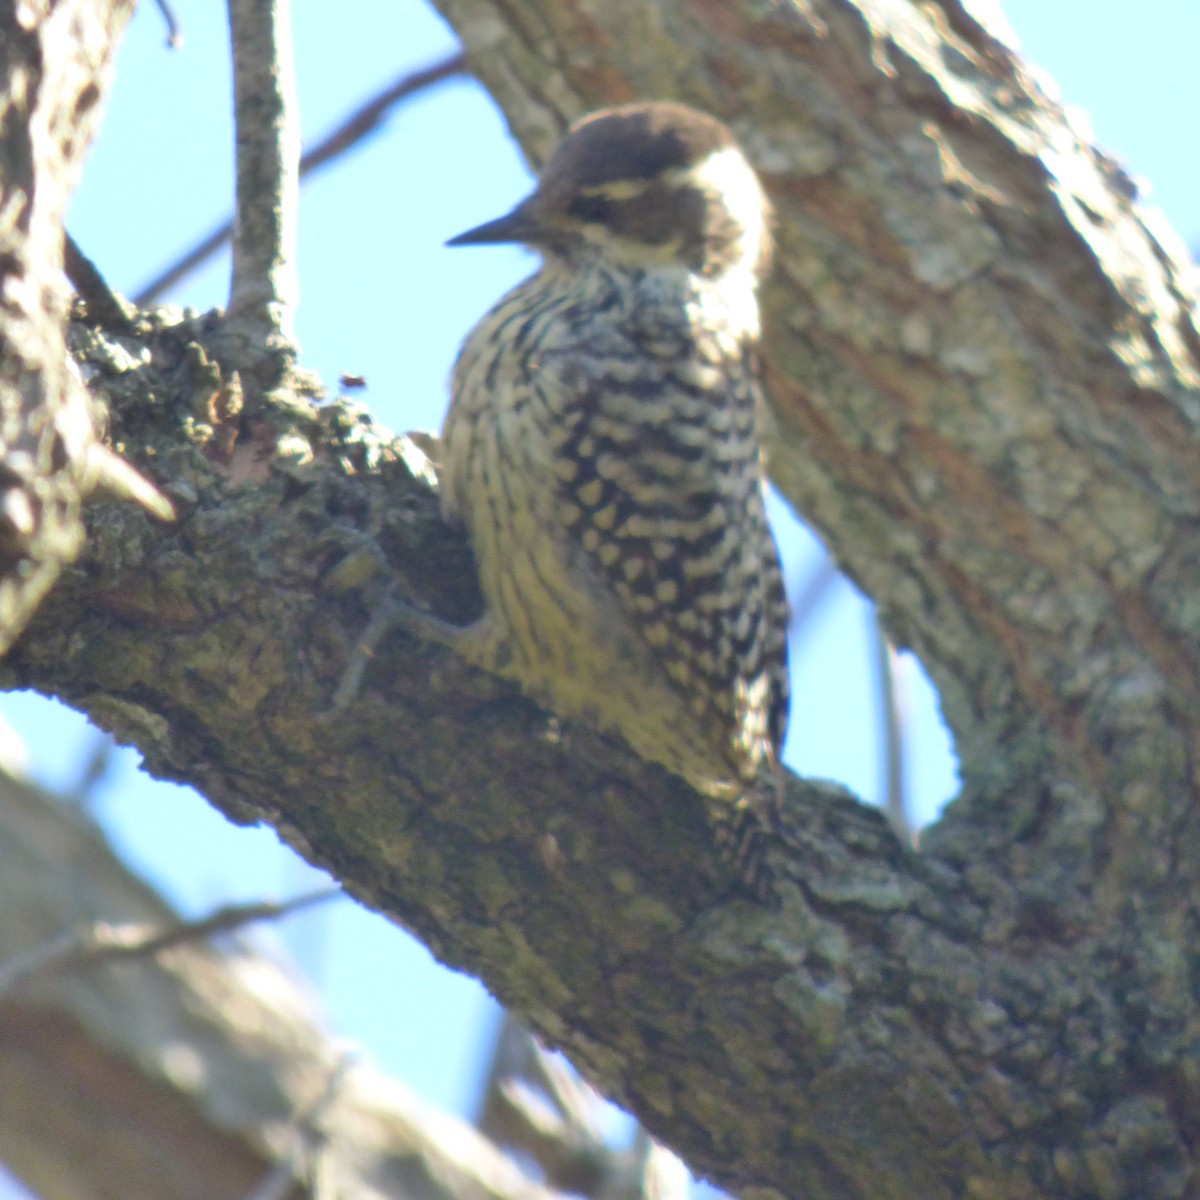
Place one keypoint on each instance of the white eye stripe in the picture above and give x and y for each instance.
(727, 174)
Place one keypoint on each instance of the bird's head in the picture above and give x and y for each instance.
(644, 186)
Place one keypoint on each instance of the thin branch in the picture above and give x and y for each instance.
(102, 941)
(193, 260)
(369, 117)
(83, 1055)
(93, 771)
(354, 129)
(661, 1173)
(534, 1103)
(509, 1059)
(265, 289)
(116, 477)
(104, 305)
(576, 1101)
(892, 720)
(174, 31)
(305, 1140)
(812, 593)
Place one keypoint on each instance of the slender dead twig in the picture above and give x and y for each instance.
(307, 1136)
(95, 768)
(892, 721)
(812, 593)
(660, 1173)
(107, 307)
(101, 941)
(369, 117)
(174, 30)
(536, 1104)
(354, 129)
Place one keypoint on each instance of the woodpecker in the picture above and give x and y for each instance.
(602, 447)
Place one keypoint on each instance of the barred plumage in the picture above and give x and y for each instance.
(602, 447)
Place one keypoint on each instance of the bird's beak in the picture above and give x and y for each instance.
(516, 226)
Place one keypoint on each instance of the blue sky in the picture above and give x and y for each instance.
(382, 297)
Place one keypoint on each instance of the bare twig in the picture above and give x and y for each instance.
(660, 1172)
(533, 1102)
(812, 592)
(526, 1108)
(93, 771)
(110, 473)
(891, 725)
(307, 1137)
(354, 129)
(183, 266)
(510, 1053)
(265, 290)
(104, 305)
(367, 118)
(101, 942)
(518, 1066)
(574, 1100)
(174, 31)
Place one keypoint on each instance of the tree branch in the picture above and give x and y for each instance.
(55, 66)
(210, 1063)
(265, 288)
(984, 368)
(892, 727)
(102, 941)
(348, 133)
(534, 1103)
(985, 362)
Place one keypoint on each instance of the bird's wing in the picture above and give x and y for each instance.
(660, 484)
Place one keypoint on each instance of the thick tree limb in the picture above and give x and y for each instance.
(186, 1076)
(55, 64)
(984, 365)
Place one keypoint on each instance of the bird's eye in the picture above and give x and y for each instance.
(591, 210)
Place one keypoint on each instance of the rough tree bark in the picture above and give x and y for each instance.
(984, 368)
(56, 60)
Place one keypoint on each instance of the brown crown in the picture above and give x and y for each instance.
(628, 180)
